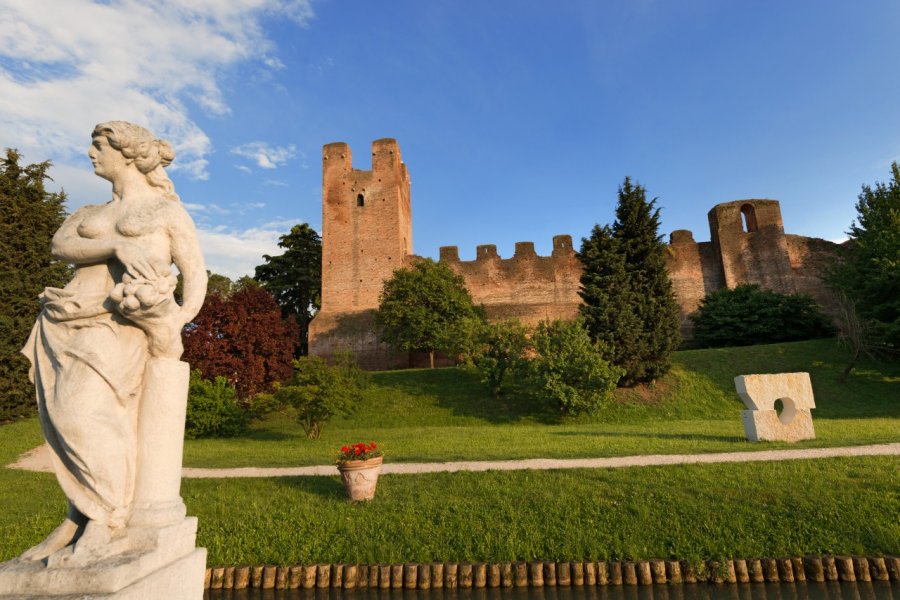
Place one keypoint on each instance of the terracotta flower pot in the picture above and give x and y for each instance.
(360, 477)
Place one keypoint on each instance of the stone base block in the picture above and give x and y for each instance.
(163, 564)
(767, 426)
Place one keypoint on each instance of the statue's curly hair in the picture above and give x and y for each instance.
(150, 155)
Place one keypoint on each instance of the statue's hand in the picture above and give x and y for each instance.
(135, 260)
(150, 305)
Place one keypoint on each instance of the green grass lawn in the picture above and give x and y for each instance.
(446, 414)
(832, 506)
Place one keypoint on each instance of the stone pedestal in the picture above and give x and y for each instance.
(157, 491)
(160, 564)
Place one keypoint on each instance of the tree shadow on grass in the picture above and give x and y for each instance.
(660, 436)
(461, 391)
(323, 486)
(267, 435)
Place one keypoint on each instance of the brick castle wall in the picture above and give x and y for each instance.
(367, 234)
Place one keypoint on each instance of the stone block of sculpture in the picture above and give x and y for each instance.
(111, 390)
(762, 422)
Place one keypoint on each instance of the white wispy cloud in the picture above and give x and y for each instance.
(265, 155)
(69, 65)
(235, 253)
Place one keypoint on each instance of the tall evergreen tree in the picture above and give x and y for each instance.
(29, 216)
(869, 275)
(295, 277)
(628, 300)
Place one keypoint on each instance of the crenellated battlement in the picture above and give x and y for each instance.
(562, 248)
(526, 286)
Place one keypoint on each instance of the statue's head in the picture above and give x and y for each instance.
(149, 154)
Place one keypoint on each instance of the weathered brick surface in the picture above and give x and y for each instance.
(527, 287)
(367, 234)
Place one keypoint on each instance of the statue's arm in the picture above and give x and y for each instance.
(188, 258)
(69, 246)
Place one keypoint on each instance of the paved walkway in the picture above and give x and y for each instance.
(38, 459)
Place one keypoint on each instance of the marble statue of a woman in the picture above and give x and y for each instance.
(105, 351)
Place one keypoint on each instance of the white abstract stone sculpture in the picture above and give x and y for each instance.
(111, 389)
(761, 420)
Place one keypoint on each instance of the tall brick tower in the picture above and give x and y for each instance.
(366, 235)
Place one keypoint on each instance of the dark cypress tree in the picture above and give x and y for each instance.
(29, 216)
(628, 300)
(295, 277)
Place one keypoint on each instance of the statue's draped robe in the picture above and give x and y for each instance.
(87, 367)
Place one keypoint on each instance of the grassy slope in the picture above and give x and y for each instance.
(445, 414)
(825, 506)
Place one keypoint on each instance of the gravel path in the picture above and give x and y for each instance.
(38, 459)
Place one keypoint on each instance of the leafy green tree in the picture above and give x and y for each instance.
(568, 368)
(295, 277)
(213, 409)
(216, 284)
(319, 390)
(748, 315)
(502, 354)
(870, 271)
(424, 309)
(629, 305)
(29, 216)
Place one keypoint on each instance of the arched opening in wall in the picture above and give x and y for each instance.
(748, 218)
(360, 200)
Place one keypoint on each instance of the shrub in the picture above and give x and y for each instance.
(501, 353)
(748, 315)
(568, 368)
(319, 391)
(212, 409)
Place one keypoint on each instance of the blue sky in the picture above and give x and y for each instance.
(518, 120)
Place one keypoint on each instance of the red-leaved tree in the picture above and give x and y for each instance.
(243, 338)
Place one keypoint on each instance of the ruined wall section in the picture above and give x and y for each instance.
(749, 237)
(810, 259)
(695, 270)
(366, 235)
(526, 287)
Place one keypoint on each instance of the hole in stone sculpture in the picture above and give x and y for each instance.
(785, 409)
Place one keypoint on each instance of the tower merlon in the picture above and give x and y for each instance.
(524, 250)
(336, 155)
(386, 157)
(486, 252)
(681, 236)
(449, 253)
(562, 245)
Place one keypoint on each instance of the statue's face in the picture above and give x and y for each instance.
(107, 160)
